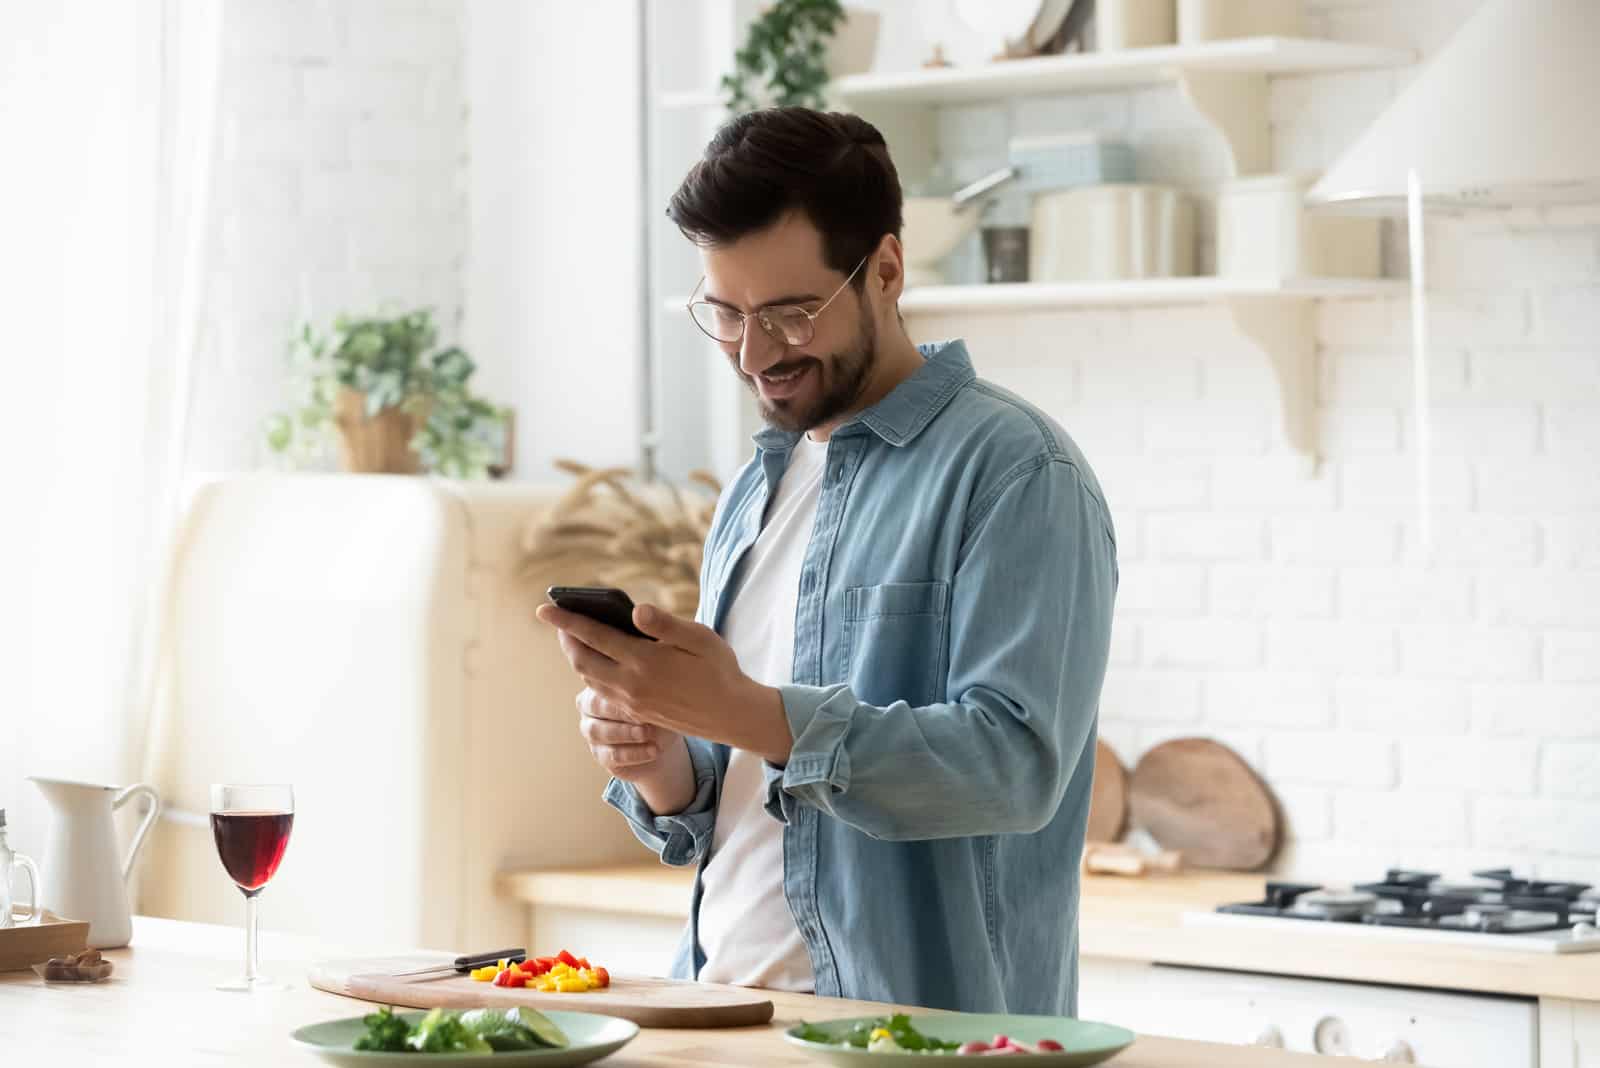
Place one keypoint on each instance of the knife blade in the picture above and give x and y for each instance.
(462, 965)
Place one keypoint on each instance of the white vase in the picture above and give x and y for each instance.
(854, 46)
(1120, 24)
(1222, 20)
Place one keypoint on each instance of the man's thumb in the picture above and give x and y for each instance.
(665, 627)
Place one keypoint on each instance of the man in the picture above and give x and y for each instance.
(877, 740)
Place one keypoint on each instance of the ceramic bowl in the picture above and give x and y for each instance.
(933, 228)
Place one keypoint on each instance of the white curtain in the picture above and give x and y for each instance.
(107, 146)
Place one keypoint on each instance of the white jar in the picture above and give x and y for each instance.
(1222, 20)
(1111, 233)
(1265, 230)
(1120, 24)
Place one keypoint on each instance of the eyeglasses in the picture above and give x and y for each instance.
(787, 323)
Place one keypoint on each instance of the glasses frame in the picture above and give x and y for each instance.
(763, 315)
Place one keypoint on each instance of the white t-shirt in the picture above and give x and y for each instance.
(746, 929)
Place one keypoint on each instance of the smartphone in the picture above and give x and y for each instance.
(604, 604)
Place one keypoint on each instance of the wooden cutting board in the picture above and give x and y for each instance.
(648, 1002)
(1199, 797)
(1108, 797)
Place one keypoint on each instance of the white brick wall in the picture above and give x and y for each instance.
(1444, 714)
(338, 190)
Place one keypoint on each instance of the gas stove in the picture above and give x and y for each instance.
(1494, 909)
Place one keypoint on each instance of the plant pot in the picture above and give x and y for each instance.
(377, 444)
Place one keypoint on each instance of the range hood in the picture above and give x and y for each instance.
(1505, 113)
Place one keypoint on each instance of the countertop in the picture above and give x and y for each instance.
(1142, 920)
(160, 1006)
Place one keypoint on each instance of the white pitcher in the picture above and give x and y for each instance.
(84, 877)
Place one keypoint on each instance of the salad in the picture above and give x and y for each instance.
(476, 1031)
(895, 1034)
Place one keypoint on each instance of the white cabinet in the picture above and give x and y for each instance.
(1569, 1033)
(1362, 1020)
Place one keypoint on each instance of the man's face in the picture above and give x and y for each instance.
(798, 387)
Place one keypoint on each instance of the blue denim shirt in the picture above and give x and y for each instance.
(951, 636)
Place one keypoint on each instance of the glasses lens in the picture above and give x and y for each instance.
(791, 325)
(718, 323)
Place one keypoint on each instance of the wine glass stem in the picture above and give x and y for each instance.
(251, 960)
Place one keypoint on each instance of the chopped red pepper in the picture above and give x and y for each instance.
(583, 962)
(567, 958)
(603, 975)
(503, 978)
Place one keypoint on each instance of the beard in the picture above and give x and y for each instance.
(843, 377)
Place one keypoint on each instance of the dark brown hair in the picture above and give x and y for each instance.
(764, 164)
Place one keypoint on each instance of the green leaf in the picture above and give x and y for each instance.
(385, 1031)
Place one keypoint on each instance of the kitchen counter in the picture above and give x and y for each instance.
(160, 1006)
(1141, 920)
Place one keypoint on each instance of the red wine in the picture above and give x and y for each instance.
(251, 844)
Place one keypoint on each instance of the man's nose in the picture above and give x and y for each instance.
(758, 350)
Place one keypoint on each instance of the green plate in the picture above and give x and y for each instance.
(1084, 1042)
(591, 1037)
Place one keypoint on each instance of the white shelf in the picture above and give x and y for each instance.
(1139, 292)
(1046, 75)
(1274, 315)
(1144, 292)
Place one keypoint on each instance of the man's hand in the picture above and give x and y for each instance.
(653, 758)
(687, 681)
(621, 744)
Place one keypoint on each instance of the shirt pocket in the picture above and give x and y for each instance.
(895, 635)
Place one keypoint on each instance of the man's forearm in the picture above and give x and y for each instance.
(669, 786)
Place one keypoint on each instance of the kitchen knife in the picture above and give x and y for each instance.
(462, 965)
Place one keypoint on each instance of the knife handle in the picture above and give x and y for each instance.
(482, 960)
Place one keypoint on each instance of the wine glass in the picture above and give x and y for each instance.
(251, 825)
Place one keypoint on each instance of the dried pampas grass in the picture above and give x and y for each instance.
(647, 541)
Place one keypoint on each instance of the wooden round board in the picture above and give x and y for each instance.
(648, 1002)
(1199, 797)
(1108, 798)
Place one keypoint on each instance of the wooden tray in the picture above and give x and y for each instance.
(648, 1002)
(34, 943)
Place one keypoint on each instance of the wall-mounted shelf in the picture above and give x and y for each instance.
(1224, 81)
(1275, 315)
(1050, 75)
(1144, 291)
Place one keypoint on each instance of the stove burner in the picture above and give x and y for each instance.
(1494, 902)
(1510, 884)
(1335, 904)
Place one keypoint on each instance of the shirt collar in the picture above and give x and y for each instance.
(909, 407)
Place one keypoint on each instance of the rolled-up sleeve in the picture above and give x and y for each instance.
(1030, 632)
(681, 838)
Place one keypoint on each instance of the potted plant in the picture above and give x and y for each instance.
(791, 50)
(394, 405)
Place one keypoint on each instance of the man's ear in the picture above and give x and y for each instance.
(888, 269)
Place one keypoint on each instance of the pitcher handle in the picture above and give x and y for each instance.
(36, 898)
(138, 790)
